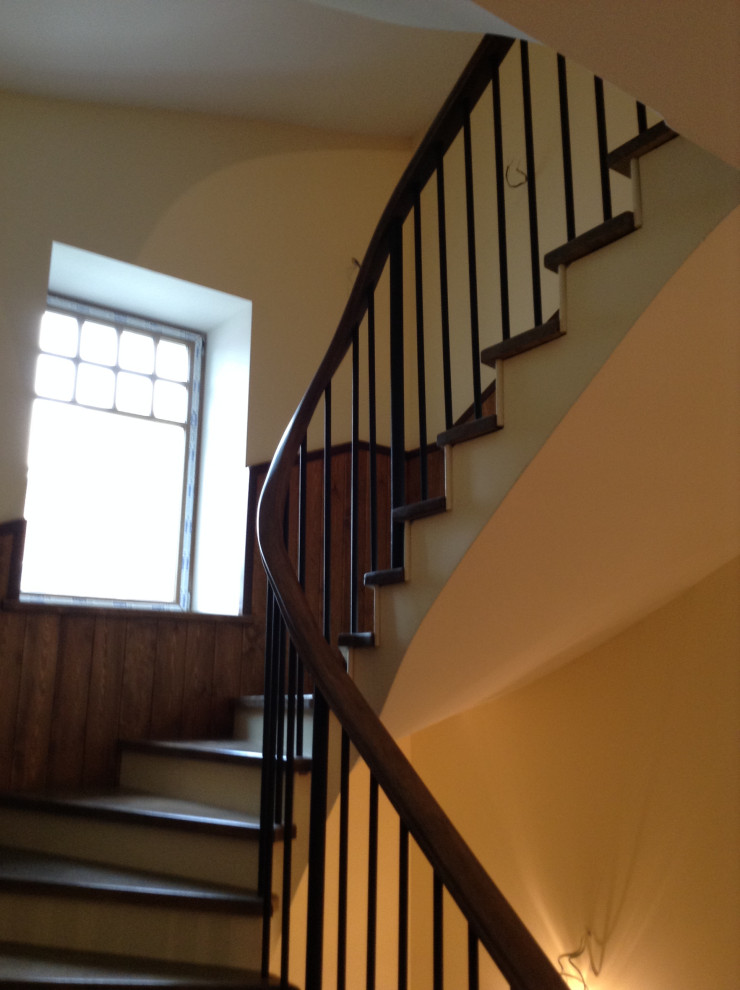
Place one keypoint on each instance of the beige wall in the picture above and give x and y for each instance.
(606, 796)
(266, 212)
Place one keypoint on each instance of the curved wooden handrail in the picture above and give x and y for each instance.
(492, 918)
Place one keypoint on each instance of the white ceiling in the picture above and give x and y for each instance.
(290, 61)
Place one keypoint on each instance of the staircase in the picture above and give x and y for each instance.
(155, 883)
(150, 884)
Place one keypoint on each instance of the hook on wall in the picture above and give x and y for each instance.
(517, 170)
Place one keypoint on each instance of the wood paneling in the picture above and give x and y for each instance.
(74, 681)
(12, 538)
(341, 482)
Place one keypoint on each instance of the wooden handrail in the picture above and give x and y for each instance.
(491, 917)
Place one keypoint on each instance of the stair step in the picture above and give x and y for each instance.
(249, 720)
(649, 140)
(357, 640)
(30, 871)
(468, 431)
(420, 510)
(61, 903)
(378, 579)
(22, 966)
(223, 773)
(137, 831)
(523, 342)
(590, 241)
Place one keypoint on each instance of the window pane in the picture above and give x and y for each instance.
(170, 401)
(55, 377)
(173, 361)
(134, 394)
(136, 352)
(112, 528)
(98, 343)
(59, 334)
(95, 386)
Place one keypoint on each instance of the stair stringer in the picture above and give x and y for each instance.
(681, 193)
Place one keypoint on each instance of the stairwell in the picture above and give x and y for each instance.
(151, 883)
(155, 883)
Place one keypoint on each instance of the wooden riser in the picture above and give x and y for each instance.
(249, 722)
(175, 852)
(94, 924)
(223, 784)
(22, 966)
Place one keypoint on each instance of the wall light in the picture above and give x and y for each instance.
(571, 970)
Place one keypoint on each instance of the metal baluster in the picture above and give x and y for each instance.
(438, 934)
(641, 117)
(372, 884)
(503, 261)
(354, 601)
(472, 960)
(570, 219)
(302, 502)
(317, 845)
(288, 823)
(372, 427)
(606, 191)
(443, 290)
(472, 266)
(343, 864)
(534, 240)
(327, 513)
(421, 375)
(403, 907)
(267, 827)
(398, 430)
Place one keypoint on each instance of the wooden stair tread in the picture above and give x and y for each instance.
(137, 807)
(235, 751)
(590, 241)
(26, 871)
(649, 140)
(420, 510)
(523, 342)
(468, 431)
(379, 579)
(22, 965)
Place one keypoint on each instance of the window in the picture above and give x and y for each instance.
(112, 458)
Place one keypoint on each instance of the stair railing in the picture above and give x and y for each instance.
(331, 515)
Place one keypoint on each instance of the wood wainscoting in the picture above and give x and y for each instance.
(74, 681)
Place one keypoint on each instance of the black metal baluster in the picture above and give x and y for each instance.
(354, 579)
(267, 827)
(473, 975)
(606, 191)
(279, 701)
(302, 504)
(288, 823)
(343, 864)
(317, 845)
(534, 239)
(398, 429)
(420, 369)
(641, 117)
(570, 218)
(472, 266)
(437, 934)
(403, 907)
(372, 427)
(327, 513)
(443, 290)
(503, 260)
(372, 885)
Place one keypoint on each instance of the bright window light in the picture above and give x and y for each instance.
(111, 460)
